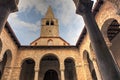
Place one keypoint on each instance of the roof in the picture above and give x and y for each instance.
(47, 47)
(50, 37)
(84, 31)
(49, 13)
(12, 34)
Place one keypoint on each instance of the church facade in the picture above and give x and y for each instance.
(50, 57)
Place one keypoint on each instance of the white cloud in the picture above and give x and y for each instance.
(21, 23)
(26, 32)
(39, 5)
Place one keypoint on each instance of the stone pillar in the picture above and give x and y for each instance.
(10, 72)
(62, 70)
(62, 74)
(105, 60)
(15, 74)
(79, 72)
(87, 71)
(6, 7)
(36, 73)
(6, 73)
(97, 70)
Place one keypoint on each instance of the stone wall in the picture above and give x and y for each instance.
(8, 45)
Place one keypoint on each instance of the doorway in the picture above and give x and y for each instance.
(51, 75)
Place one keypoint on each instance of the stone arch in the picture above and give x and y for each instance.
(5, 63)
(111, 30)
(70, 69)
(27, 58)
(47, 54)
(49, 61)
(89, 67)
(27, 69)
(51, 75)
(105, 30)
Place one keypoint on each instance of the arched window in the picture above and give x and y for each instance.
(50, 42)
(52, 23)
(27, 71)
(70, 70)
(89, 66)
(6, 62)
(47, 22)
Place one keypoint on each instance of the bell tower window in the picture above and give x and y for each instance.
(52, 23)
(47, 22)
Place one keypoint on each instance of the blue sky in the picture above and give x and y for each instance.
(26, 23)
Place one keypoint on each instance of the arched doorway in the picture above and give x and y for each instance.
(89, 67)
(6, 62)
(51, 75)
(70, 70)
(27, 71)
(49, 65)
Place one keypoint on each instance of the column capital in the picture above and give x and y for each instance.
(9, 4)
(83, 6)
(62, 69)
(36, 69)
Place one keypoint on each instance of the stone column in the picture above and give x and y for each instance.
(6, 73)
(79, 72)
(36, 73)
(10, 72)
(62, 74)
(106, 64)
(15, 74)
(6, 7)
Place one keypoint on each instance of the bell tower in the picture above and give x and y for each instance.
(49, 25)
(49, 35)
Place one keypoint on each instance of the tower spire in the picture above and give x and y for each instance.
(49, 13)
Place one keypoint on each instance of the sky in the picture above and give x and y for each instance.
(26, 23)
